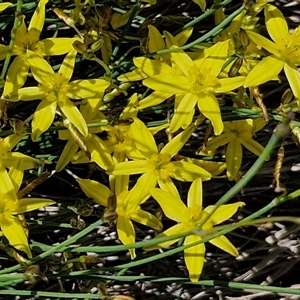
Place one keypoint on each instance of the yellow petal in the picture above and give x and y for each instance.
(185, 171)
(119, 184)
(174, 230)
(156, 41)
(119, 20)
(262, 72)
(14, 232)
(87, 88)
(194, 257)
(293, 77)
(10, 141)
(7, 187)
(93, 189)
(182, 112)
(168, 186)
(43, 118)
(29, 204)
(3, 50)
(195, 194)
(253, 146)
(209, 107)
(27, 94)
(216, 142)
(38, 18)
(140, 191)
(178, 141)
(128, 167)
(216, 59)
(26, 162)
(67, 66)
(171, 83)
(264, 42)
(5, 5)
(154, 99)
(183, 61)
(172, 206)
(234, 156)
(201, 3)
(143, 138)
(16, 75)
(229, 84)
(126, 233)
(223, 243)
(39, 67)
(183, 36)
(66, 156)
(57, 46)
(135, 75)
(99, 152)
(275, 23)
(223, 212)
(147, 219)
(151, 67)
(73, 115)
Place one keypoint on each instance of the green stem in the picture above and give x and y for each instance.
(203, 16)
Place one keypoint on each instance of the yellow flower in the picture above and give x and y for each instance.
(28, 40)
(127, 204)
(5, 5)
(189, 217)
(236, 134)
(55, 91)
(196, 85)
(10, 206)
(285, 52)
(157, 165)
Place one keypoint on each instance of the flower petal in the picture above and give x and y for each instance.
(195, 193)
(43, 118)
(29, 204)
(171, 83)
(93, 189)
(194, 257)
(87, 88)
(67, 66)
(73, 115)
(39, 67)
(178, 141)
(223, 243)
(6, 184)
(99, 152)
(140, 191)
(38, 18)
(234, 156)
(147, 219)
(57, 46)
(27, 94)
(14, 232)
(229, 84)
(174, 230)
(275, 23)
(216, 142)
(183, 61)
(155, 40)
(154, 99)
(262, 72)
(185, 171)
(143, 138)
(183, 36)
(151, 67)
(16, 75)
(264, 42)
(168, 186)
(253, 146)
(119, 184)
(209, 107)
(183, 110)
(172, 206)
(128, 167)
(67, 155)
(293, 77)
(223, 212)
(126, 233)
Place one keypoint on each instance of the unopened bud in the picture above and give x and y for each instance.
(234, 69)
(97, 45)
(80, 47)
(244, 39)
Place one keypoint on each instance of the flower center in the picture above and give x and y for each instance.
(56, 88)
(160, 164)
(289, 47)
(7, 208)
(203, 80)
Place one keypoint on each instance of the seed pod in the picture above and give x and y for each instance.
(97, 45)
(234, 69)
(80, 47)
(244, 39)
